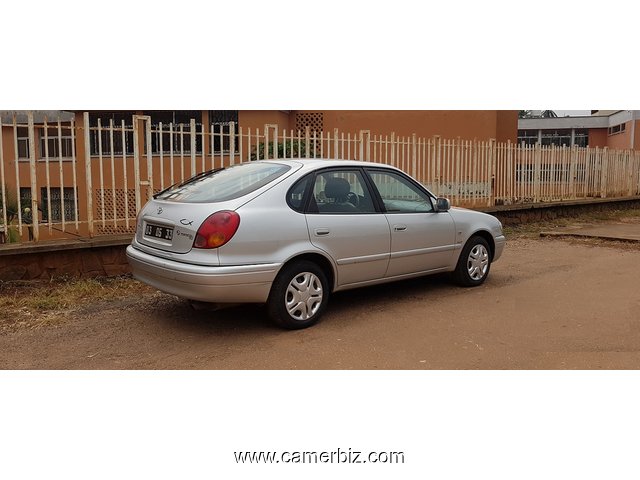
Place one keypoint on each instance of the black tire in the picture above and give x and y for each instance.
(474, 263)
(304, 311)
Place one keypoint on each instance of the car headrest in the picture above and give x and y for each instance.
(337, 188)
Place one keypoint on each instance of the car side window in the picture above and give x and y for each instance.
(295, 195)
(341, 191)
(398, 194)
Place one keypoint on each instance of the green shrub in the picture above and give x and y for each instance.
(11, 232)
(12, 204)
(288, 149)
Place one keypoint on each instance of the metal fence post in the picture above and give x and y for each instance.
(232, 142)
(87, 172)
(35, 220)
(192, 128)
(572, 172)
(240, 144)
(536, 178)
(3, 187)
(438, 159)
(266, 142)
(393, 148)
(414, 156)
(150, 158)
(510, 172)
(491, 199)
(604, 173)
(136, 161)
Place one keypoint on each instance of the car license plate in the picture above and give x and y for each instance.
(156, 231)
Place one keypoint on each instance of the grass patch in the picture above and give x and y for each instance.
(29, 303)
(533, 229)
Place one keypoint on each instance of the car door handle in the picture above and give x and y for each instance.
(399, 228)
(321, 232)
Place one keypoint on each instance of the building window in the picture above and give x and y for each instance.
(617, 129)
(176, 117)
(122, 141)
(559, 138)
(581, 138)
(68, 203)
(25, 198)
(58, 146)
(161, 141)
(169, 139)
(220, 121)
(22, 135)
(528, 137)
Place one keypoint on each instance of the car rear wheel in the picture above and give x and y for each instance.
(474, 263)
(298, 296)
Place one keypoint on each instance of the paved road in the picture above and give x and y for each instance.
(549, 303)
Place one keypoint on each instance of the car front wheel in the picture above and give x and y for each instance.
(298, 296)
(474, 263)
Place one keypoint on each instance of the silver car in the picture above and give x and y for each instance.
(288, 233)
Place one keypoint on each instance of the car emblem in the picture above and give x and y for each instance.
(159, 210)
(184, 221)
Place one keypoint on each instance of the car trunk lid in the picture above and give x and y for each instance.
(172, 226)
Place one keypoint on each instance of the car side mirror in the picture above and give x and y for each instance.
(442, 204)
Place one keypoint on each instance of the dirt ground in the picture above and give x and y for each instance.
(548, 304)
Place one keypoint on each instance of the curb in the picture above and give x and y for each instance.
(588, 235)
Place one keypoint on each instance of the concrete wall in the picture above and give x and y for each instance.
(104, 261)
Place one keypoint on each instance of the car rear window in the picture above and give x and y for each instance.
(226, 184)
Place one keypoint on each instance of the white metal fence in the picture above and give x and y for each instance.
(68, 179)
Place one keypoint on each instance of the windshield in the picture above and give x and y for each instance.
(226, 184)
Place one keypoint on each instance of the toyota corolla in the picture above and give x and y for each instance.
(289, 233)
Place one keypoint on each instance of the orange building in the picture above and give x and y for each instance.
(501, 125)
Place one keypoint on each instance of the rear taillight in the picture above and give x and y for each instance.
(217, 229)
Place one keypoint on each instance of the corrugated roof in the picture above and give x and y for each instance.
(38, 116)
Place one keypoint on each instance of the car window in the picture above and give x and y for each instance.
(340, 191)
(398, 194)
(295, 196)
(227, 184)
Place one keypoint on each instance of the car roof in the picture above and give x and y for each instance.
(314, 163)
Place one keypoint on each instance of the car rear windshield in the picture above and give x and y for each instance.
(226, 184)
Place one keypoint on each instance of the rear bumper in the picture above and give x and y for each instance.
(228, 284)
